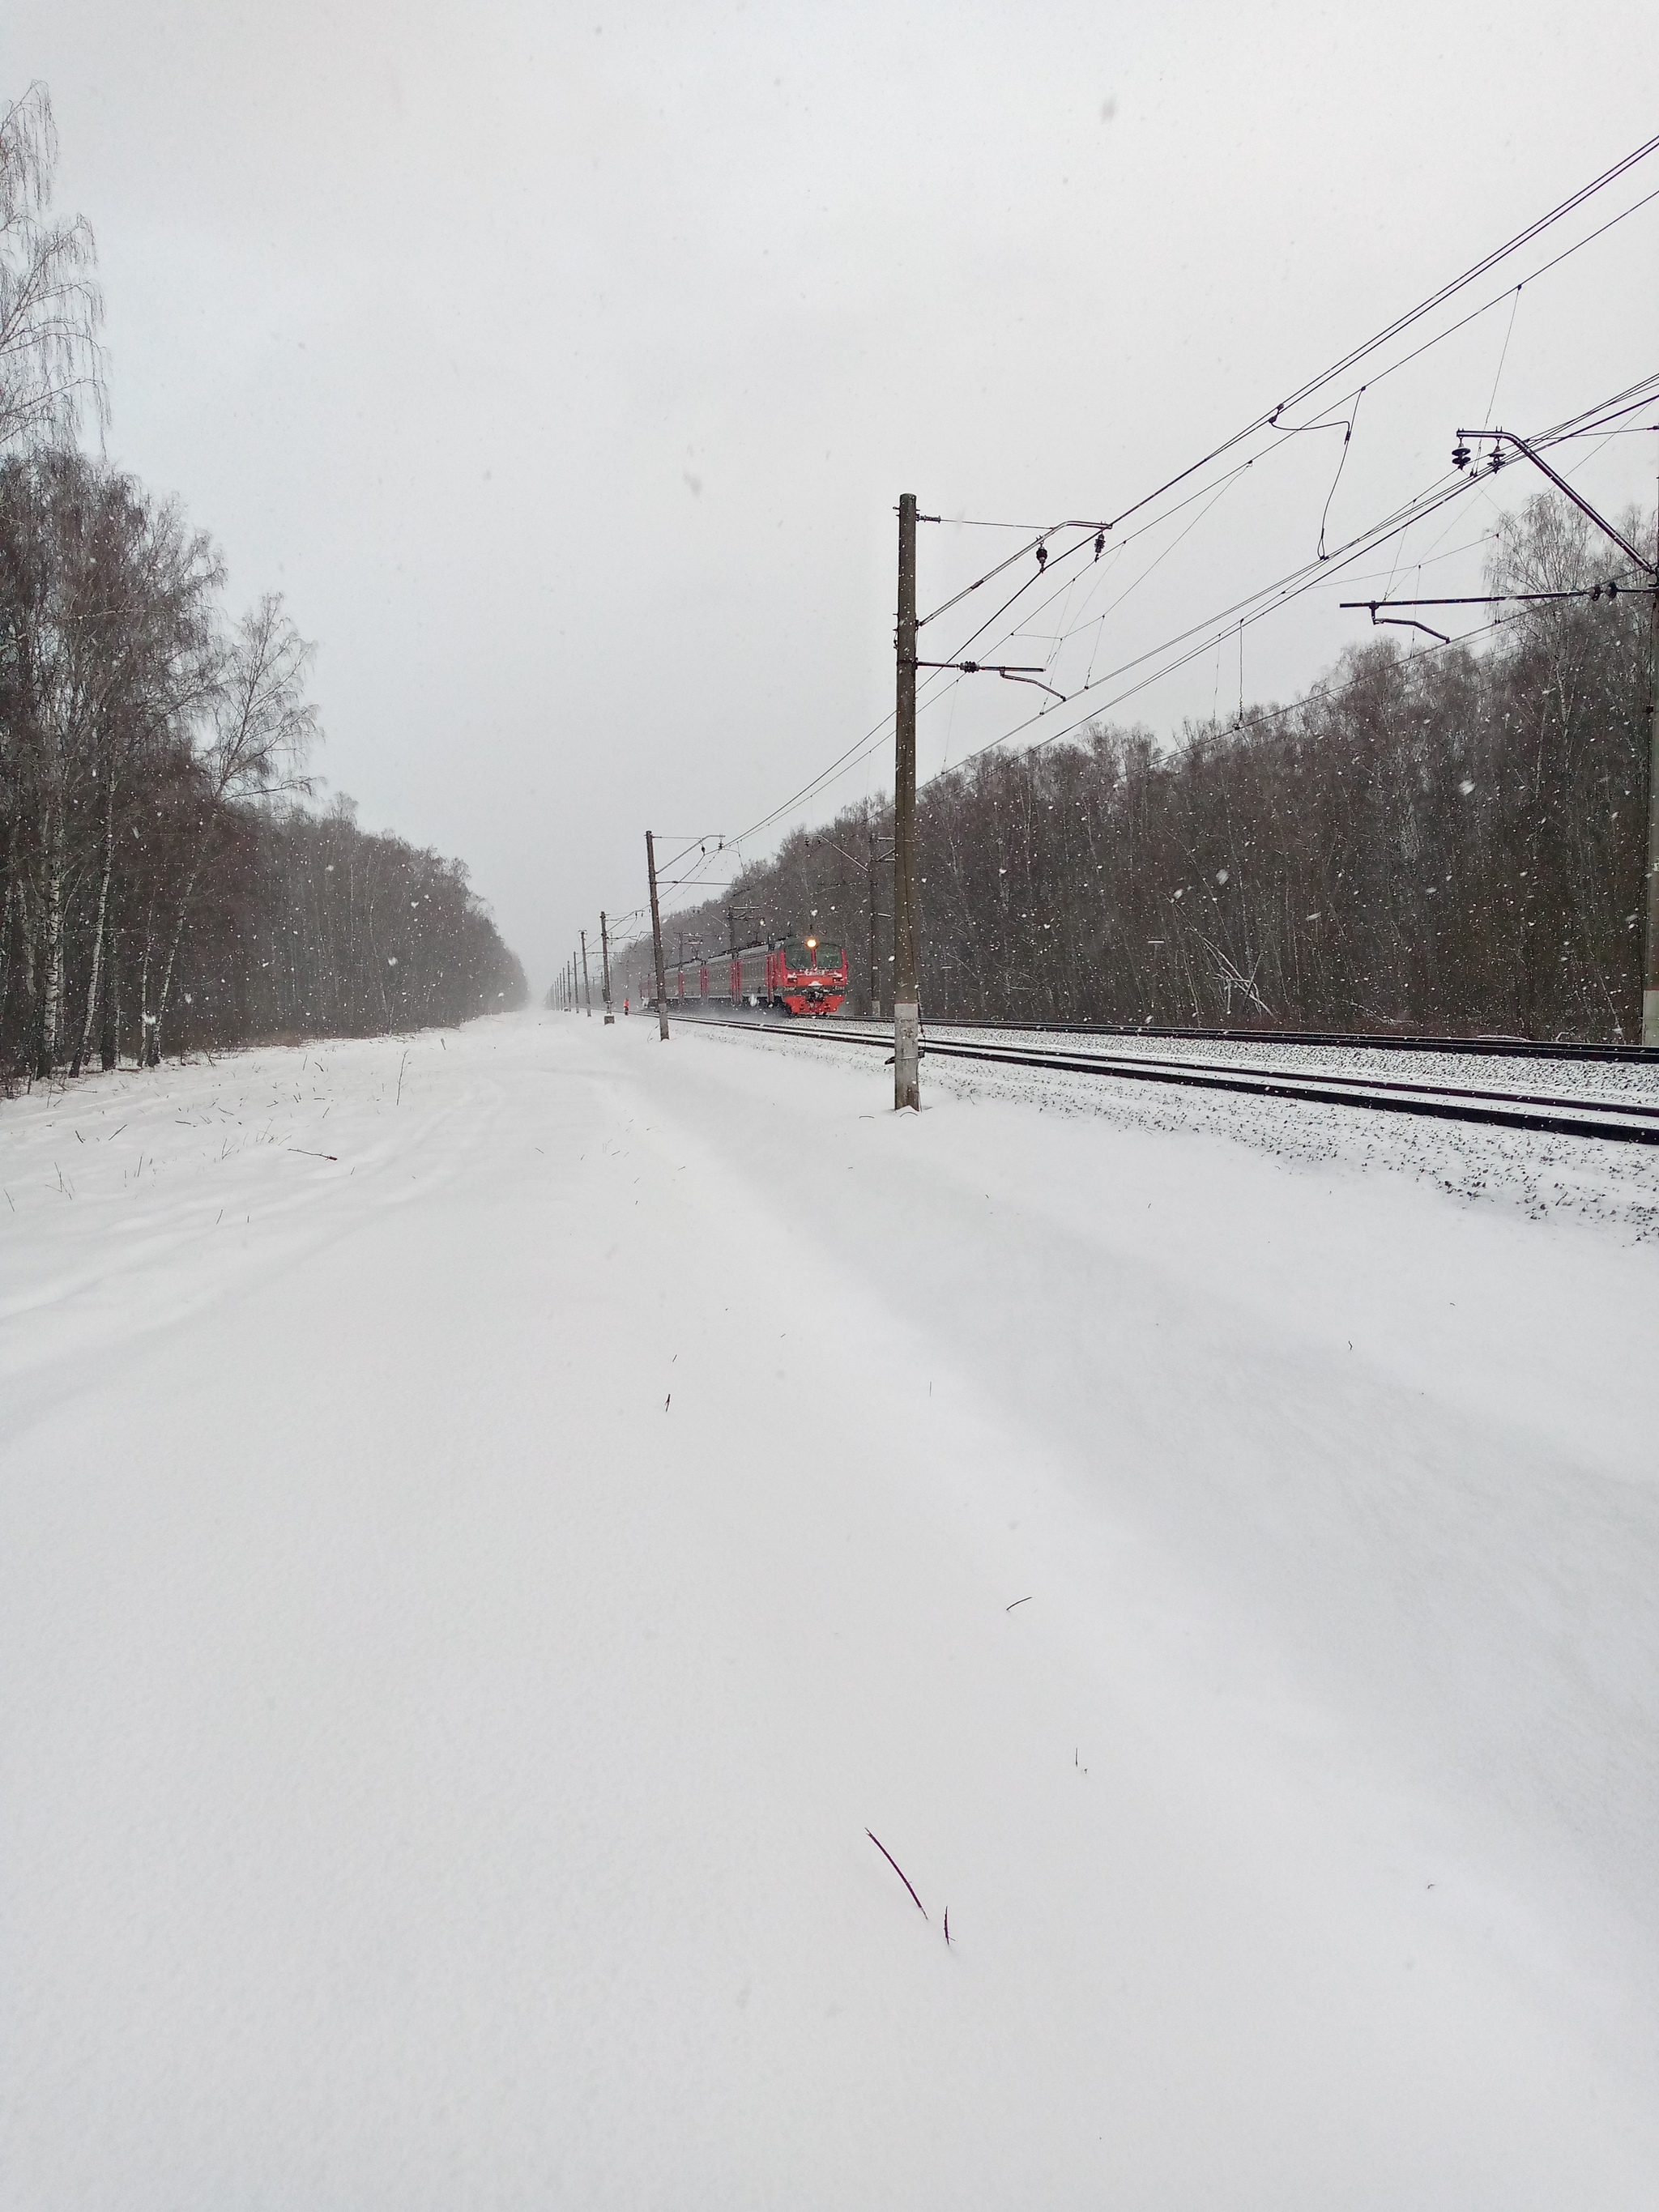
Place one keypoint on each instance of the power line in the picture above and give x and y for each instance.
(1269, 420)
(1221, 633)
(1265, 716)
(1381, 375)
(1306, 578)
(1242, 613)
(1591, 419)
(1400, 324)
(1213, 629)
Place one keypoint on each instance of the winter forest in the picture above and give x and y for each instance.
(164, 885)
(1434, 839)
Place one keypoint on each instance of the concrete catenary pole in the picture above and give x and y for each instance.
(1650, 948)
(656, 940)
(588, 981)
(605, 953)
(906, 1007)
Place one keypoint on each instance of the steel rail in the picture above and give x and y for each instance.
(1487, 1048)
(1367, 1083)
(1493, 1048)
(1608, 1121)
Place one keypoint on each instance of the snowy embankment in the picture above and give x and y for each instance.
(492, 1522)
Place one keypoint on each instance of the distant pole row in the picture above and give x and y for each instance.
(575, 985)
(907, 915)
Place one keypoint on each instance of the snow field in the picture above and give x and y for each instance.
(466, 1600)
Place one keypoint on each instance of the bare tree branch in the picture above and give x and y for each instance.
(52, 366)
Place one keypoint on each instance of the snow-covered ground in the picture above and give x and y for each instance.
(492, 1520)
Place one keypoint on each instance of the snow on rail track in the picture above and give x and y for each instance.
(1549, 1132)
(1629, 1119)
(1568, 1074)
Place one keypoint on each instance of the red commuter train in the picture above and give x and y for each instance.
(795, 975)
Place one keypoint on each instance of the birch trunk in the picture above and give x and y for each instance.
(85, 1045)
(144, 1058)
(5, 921)
(52, 944)
(109, 1042)
(152, 1057)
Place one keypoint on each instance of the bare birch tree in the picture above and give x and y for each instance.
(50, 307)
(263, 729)
(106, 603)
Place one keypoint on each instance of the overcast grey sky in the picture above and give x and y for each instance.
(563, 365)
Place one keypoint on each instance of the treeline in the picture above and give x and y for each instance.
(309, 926)
(161, 881)
(1436, 840)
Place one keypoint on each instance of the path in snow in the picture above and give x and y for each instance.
(466, 1599)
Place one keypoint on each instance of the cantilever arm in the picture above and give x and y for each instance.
(1021, 674)
(1400, 621)
(1564, 489)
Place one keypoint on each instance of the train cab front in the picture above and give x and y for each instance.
(815, 977)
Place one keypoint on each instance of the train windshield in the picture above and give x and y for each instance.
(801, 955)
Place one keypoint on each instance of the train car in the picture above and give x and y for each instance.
(790, 974)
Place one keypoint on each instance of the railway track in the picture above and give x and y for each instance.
(1496, 1048)
(1610, 1121)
